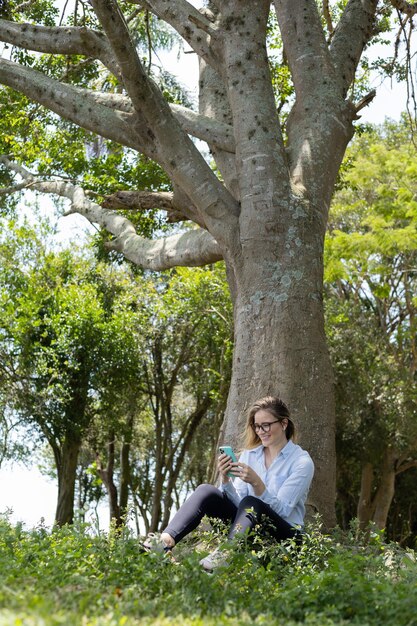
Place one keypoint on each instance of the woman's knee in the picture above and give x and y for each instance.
(251, 502)
(206, 489)
(206, 493)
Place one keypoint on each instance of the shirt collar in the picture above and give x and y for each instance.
(286, 450)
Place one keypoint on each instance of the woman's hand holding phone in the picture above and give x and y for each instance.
(229, 467)
(226, 463)
(224, 466)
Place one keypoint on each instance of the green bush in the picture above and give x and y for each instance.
(71, 576)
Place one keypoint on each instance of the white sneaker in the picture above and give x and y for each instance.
(154, 543)
(217, 558)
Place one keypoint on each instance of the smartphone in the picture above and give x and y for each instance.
(229, 451)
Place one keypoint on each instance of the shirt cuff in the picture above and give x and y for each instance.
(230, 490)
(225, 487)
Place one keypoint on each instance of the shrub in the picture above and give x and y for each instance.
(71, 576)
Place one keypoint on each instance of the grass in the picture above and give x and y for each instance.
(69, 576)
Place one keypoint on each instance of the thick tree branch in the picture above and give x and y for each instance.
(405, 7)
(365, 101)
(354, 30)
(320, 124)
(305, 45)
(193, 248)
(85, 109)
(198, 31)
(176, 152)
(252, 104)
(59, 40)
(146, 200)
(144, 94)
(213, 102)
(406, 466)
(66, 101)
(143, 200)
(82, 41)
(215, 133)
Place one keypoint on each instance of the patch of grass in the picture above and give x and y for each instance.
(70, 576)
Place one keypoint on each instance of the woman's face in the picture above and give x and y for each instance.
(276, 435)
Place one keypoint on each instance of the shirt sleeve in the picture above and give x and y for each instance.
(293, 489)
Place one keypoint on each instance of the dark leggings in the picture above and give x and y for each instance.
(210, 501)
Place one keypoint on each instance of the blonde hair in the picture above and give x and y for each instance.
(277, 408)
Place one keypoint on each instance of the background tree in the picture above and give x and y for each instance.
(371, 276)
(186, 374)
(63, 349)
(163, 442)
(117, 372)
(266, 212)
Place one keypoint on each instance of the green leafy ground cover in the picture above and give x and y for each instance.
(73, 577)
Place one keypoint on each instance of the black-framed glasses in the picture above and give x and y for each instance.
(265, 426)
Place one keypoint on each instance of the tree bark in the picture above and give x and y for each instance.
(374, 505)
(125, 471)
(67, 468)
(107, 476)
(365, 503)
(386, 490)
(279, 343)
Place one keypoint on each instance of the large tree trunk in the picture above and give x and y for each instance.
(280, 344)
(67, 468)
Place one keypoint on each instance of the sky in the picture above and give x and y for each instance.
(25, 494)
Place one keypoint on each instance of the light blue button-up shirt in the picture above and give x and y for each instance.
(287, 481)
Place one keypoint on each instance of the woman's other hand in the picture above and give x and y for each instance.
(248, 475)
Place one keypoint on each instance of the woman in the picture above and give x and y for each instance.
(269, 485)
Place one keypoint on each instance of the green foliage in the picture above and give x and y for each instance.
(71, 576)
(58, 335)
(92, 355)
(41, 12)
(35, 137)
(280, 73)
(186, 342)
(69, 344)
(370, 256)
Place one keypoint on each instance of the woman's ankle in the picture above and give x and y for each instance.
(168, 540)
